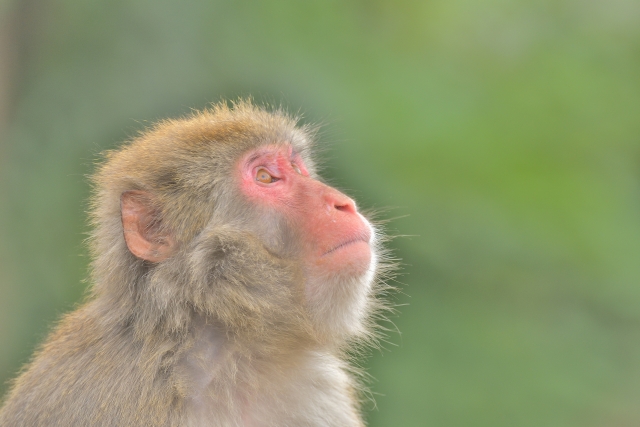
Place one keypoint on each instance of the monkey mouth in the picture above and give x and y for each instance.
(363, 238)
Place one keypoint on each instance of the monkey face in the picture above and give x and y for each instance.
(335, 238)
(334, 241)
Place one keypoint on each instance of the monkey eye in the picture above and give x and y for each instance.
(265, 177)
(296, 168)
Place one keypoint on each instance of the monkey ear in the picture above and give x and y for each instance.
(142, 232)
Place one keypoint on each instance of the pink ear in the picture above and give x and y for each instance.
(141, 228)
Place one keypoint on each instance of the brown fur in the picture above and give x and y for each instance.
(218, 333)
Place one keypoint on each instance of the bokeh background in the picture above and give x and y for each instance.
(502, 136)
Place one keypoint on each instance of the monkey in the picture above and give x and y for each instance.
(229, 285)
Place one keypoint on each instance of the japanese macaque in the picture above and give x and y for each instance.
(229, 284)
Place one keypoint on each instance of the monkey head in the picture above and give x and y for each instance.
(223, 212)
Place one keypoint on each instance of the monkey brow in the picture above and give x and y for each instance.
(259, 153)
(253, 157)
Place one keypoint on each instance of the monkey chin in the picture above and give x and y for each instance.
(339, 298)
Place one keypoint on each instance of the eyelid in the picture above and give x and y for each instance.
(269, 169)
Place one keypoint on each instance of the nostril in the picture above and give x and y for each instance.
(336, 200)
(347, 206)
(344, 208)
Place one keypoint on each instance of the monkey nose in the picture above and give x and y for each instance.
(337, 200)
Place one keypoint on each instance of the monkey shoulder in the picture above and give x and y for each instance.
(87, 372)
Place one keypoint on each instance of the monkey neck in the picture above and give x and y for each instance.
(257, 349)
(177, 327)
(186, 339)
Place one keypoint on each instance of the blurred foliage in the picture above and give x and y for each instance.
(508, 132)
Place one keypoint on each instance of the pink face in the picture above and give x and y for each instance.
(336, 239)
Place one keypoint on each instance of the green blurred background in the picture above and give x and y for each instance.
(505, 134)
